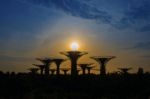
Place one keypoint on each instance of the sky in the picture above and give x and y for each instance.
(43, 28)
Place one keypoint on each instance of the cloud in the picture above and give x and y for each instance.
(136, 13)
(146, 56)
(141, 46)
(76, 8)
(145, 28)
(139, 12)
(14, 58)
(137, 16)
(120, 14)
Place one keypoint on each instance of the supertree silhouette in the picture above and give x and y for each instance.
(58, 62)
(33, 70)
(47, 62)
(124, 70)
(74, 56)
(103, 60)
(52, 71)
(84, 67)
(89, 68)
(78, 71)
(140, 71)
(65, 70)
(41, 67)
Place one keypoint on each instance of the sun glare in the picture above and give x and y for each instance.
(74, 46)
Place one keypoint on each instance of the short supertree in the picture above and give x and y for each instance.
(65, 70)
(140, 71)
(41, 67)
(47, 62)
(33, 70)
(78, 71)
(52, 71)
(84, 67)
(89, 68)
(58, 62)
(124, 70)
(103, 60)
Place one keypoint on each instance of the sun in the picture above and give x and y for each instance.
(74, 46)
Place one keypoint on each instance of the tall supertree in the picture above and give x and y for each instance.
(41, 67)
(103, 60)
(58, 62)
(47, 62)
(74, 56)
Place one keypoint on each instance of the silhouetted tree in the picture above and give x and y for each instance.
(52, 71)
(58, 62)
(84, 67)
(140, 71)
(47, 62)
(65, 70)
(103, 60)
(33, 70)
(41, 67)
(89, 68)
(74, 56)
(124, 71)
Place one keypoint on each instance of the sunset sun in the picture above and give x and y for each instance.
(74, 46)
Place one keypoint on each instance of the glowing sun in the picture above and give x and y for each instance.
(74, 46)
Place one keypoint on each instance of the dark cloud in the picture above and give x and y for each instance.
(76, 8)
(137, 16)
(145, 28)
(137, 12)
(141, 45)
(146, 56)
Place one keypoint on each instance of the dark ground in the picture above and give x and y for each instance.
(25, 86)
